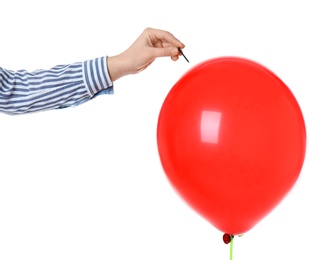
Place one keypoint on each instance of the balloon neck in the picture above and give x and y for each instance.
(227, 238)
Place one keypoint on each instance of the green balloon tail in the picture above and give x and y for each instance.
(231, 247)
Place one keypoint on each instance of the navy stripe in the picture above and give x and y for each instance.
(45, 75)
(55, 70)
(48, 74)
(92, 67)
(42, 107)
(87, 78)
(45, 100)
(30, 98)
(23, 74)
(45, 84)
(42, 83)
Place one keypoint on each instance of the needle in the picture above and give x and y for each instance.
(183, 54)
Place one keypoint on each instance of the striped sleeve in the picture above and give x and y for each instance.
(59, 87)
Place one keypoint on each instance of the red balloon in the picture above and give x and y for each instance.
(231, 139)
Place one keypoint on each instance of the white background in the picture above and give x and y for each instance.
(87, 183)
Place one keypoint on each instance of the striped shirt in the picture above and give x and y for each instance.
(59, 87)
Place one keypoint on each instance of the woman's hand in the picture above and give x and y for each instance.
(151, 44)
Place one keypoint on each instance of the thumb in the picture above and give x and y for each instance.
(166, 52)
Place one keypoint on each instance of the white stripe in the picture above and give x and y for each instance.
(29, 79)
(106, 77)
(89, 68)
(45, 104)
(95, 73)
(78, 91)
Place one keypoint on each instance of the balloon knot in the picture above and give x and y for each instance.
(227, 238)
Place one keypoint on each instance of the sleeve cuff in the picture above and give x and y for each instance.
(96, 77)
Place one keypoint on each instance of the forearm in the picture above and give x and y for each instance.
(59, 87)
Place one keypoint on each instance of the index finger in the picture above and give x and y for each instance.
(164, 36)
